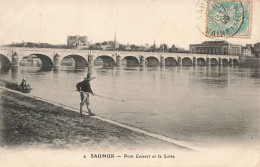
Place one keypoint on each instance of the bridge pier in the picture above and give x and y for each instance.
(15, 60)
(142, 61)
(56, 60)
(14, 71)
(194, 61)
(90, 65)
(118, 61)
(230, 62)
(162, 61)
(179, 61)
(219, 61)
(207, 61)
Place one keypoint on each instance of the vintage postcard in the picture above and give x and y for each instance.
(129, 83)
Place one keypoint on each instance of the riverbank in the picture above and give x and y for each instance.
(250, 62)
(28, 122)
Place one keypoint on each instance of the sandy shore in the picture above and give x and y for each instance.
(26, 121)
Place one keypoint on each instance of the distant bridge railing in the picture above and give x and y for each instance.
(56, 50)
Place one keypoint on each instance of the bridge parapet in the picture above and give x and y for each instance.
(106, 52)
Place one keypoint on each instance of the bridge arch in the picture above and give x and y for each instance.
(152, 61)
(213, 62)
(130, 61)
(235, 62)
(74, 60)
(171, 61)
(224, 62)
(46, 61)
(201, 61)
(105, 60)
(186, 61)
(4, 61)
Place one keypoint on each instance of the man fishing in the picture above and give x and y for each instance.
(85, 89)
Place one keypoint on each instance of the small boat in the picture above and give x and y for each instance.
(15, 86)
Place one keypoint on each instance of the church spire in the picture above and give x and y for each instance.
(116, 44)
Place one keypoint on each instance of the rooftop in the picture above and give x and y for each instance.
(215, 42)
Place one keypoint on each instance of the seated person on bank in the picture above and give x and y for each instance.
(23, 83)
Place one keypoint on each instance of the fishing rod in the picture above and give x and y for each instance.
(110, 98)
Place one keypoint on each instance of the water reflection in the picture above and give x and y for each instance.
(255, 73)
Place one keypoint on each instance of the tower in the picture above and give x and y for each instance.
(115, 38)
(154, 44)
(116, 44)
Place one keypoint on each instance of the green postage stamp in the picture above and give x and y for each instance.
(229, 18)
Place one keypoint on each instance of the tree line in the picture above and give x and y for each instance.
(106, 45)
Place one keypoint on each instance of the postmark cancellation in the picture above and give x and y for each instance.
(229, 18)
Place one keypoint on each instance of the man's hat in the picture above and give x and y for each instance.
(89, 77)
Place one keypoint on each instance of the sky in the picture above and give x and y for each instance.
(135, 21)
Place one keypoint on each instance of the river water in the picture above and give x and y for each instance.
(200, 105)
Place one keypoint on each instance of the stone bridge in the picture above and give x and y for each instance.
(11, 56)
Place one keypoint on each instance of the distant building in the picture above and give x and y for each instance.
(107, 47)
(216, 47)
(110, 45)
(256, 50)
(77, 40)
(128, 47)
(247, 51)
(147, 46)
